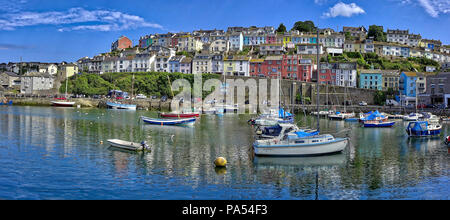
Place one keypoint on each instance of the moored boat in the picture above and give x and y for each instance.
(423, 129)
(341, 116)
(10, 102)
(412, 117)
(300, 146)
(162, 121)
(376, 120)
(128, 145)
(113, 105)
(63, 103)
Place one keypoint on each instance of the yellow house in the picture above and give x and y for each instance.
(69, 70)
(354, 46)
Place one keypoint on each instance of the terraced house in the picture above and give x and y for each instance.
(235, 65)
(390, 80)
(371, 79)
(202, 63)
(407, 88)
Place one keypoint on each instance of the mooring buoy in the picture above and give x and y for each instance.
(220, 162)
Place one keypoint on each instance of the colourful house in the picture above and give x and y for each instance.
(371, 79)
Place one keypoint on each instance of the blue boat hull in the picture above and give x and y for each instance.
(428, 133)
(156, 121)
(9, 103)
(379, 125)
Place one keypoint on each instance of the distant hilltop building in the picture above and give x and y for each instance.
(121, 43)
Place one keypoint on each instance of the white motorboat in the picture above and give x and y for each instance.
(128, 145)
(289, 143)
(412, 117)
(341, 116)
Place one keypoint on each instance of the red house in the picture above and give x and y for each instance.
(288, 66)
(327, 74)
(122, 43)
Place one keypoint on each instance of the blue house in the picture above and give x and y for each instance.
(371, 79)
(407, 88)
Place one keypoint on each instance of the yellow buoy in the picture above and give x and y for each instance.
(220, 162)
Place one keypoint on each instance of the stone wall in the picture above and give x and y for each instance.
(333, 94)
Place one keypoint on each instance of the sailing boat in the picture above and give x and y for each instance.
(301, 143)
(63, 102)
(342, 115)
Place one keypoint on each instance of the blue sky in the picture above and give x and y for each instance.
(66, 30)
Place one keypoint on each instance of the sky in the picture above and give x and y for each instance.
(66, 30)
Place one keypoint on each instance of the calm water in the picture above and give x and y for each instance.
(55, 153)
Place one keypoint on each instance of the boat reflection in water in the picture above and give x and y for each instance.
(307, 163)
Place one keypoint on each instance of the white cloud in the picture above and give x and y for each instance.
(435, 7)
(344, 10)
(320, 2)
(77, 19)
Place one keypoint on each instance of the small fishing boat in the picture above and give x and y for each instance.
(396, 116)
(10, 102)
(112, 105)
(62, 102)
(412, 117)
(445, 119)
(273, 118)
(227, 108)
(128, 145)
(209, 111)
(433, 119)
(423, 129)
(341, 116)
(162, 121)
(376, 120)
(180, 115)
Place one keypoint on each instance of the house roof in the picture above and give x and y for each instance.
(37, 74)
(370, 71)
(10, 74)
(410, 73)
(257, 60)
(274, 58)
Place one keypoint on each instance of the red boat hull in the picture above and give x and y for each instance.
(182, 115)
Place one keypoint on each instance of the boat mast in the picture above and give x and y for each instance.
(132, 86)
(345, 96)
(416, 95)
(67, 80)
(318, 89)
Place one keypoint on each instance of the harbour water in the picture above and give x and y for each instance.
(56, 153)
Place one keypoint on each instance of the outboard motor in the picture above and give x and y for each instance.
(145, 145)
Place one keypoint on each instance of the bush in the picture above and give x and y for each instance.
(155, 83)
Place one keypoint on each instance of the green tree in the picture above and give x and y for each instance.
(281, 28)
(304, 26)
(377, 33)
(379, 98)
